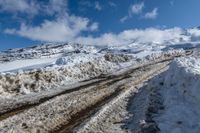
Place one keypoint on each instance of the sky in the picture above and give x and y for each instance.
(29, 22)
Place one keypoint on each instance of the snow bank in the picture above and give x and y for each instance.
(181, 97)
(12, 84)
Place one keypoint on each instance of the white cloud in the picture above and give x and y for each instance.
(55, 7)
(98, 6)
(22, 6)
(194, 33)
(172, 2)
(137, 8)
(66, 27)
(133, 9)
(150, 35)
(94, 26)
(85, 3)
(62, 29)
(112, 4)
(151, 15)
(123, 19)
(33, 7)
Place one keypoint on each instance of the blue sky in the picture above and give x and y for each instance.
(28, 22)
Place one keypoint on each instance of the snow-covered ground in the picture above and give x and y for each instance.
(44, 68)
(52, 54)
(48, 66)
(181, 99)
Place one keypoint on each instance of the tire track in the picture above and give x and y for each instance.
(67, 108)
(85, 115)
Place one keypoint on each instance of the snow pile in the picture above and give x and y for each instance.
(37, 80)
(76, 59)
(181, 97)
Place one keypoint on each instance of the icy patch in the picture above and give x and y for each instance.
(181, 97)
